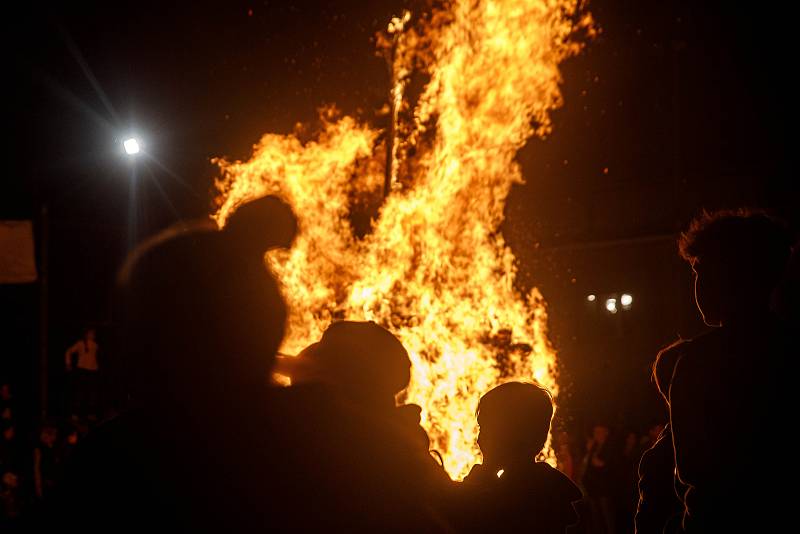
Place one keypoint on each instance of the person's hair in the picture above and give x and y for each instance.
(525, 411)
(747, 242)
(363, 357)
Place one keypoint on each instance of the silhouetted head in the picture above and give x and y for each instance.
(654, 431)
(262, 224)
(90, 335)
(600, 433)
(5, 392)
(10, 480)
(48, 435)
(738, 257)
(202, 314)
(363, 360)
(631, 440)
(514, 420)
(8, 431)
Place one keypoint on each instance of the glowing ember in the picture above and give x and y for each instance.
(434, 269)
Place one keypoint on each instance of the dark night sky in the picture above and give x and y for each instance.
(687, 104)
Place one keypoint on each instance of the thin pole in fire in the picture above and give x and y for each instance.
(396, 27)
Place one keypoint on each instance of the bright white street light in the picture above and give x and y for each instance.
(131, 146)
(611, 305)
(591, 298)
(626, 300)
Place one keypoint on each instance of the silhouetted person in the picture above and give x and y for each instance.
(365, 458)
(11, 501)
(201, 320)
(732, 384)
(660, 508)
(511, 491)
(6, 403)
(365, 364)
(72, 436)
(12, 453)
(80, 362)
(45, 462)
(565, 456)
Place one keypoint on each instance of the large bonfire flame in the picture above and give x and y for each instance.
(433, 268)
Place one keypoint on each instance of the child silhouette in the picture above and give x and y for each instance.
(514, 492)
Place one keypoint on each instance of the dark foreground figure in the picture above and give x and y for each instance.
(368, 456)
(729, 389)
(510, 491)
(206, 445)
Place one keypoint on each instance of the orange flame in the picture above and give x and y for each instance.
(434, 269)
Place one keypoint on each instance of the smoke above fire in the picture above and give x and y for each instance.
(472, 81)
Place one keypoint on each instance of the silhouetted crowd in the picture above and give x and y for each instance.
(31, 468)
(206, 443)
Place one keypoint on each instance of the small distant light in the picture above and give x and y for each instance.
(611, 305)
(591, 298)
(626, 300)
(131, 146)
(500, 473)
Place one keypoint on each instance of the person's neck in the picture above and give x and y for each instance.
(747, 317)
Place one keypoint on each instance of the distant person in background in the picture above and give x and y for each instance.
(6, 402)
(565, 457)
(511, 491)
(626, 496)
(11, 452)
(598, 480)
(649, 439)
(45, 462)
(80, 361)
(736, 381)
(72, 436)
(11, 501)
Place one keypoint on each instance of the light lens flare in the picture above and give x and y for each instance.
(131, 146)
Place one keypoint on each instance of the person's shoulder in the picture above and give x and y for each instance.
(670, 354)
(682, 350)
(701, 360)
(664, 364)
(556, 482)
